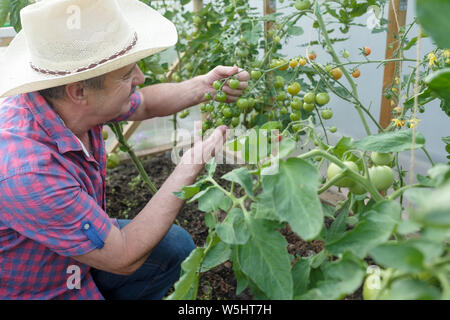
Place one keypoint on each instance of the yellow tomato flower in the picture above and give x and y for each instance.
(447, 53)
(432, 59)
(412, 123)
(398, 123)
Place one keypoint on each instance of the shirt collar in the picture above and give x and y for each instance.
(51, 122)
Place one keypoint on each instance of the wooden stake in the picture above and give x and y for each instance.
(270, 6)
(397, 19)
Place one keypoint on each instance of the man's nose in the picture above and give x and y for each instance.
(138, 78)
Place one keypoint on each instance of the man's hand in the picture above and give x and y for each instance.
(222, 72)
(205, 150)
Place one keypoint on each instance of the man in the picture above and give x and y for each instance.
(64, 80)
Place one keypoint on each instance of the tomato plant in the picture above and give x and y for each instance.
(281, 107)
(367, 168)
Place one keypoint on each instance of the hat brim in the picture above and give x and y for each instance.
(155, 33)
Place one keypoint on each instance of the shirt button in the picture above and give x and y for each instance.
(86, 226)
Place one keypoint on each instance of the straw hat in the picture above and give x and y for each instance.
(65, 41)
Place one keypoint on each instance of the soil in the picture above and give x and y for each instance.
(218, 283)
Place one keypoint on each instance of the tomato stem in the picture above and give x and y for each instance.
(346, 74)
(134, 158)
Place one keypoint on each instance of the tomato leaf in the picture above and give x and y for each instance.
(14, 16)
(265, 261)
(217, 253)
(438, 82)
(374, 228)
(399, 256)
(233, 229)
(291, 196)
(433, 16)
(432, 211)
(4, 10)
(300, 275)
(212, 200)
(241, 176)
(411, 289)
(186, 287)
(340, 278)
(391, 141)
(337, 228)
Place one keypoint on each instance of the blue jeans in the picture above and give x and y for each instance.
(156, 275)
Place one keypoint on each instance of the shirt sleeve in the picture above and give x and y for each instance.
(135, 103)
(52, 209)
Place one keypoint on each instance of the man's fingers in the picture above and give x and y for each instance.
(225, 72)
(243, 75)
(231, 92)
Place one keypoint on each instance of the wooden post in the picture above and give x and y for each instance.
(270, 6)
(198, 5)
(397, 14)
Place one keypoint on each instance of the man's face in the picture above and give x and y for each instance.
(114, 99)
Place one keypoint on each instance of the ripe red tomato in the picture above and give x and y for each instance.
(366, 51)
(356, 73)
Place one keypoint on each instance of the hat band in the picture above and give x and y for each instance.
(91, 66)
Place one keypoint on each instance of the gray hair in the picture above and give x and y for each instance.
(59, 92)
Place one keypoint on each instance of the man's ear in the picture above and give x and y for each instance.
(76, 93)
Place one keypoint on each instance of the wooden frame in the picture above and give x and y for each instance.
(397, 19)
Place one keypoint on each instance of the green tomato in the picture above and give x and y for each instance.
(333, 129)
(105, 134)
(189, 66)
(251, 102)
(322, 98)
(327, 114)
(357, 188)
(281, 96)
(381, 159)
(296, 103)
(183, 114)
(372, 287)
(208, 96)
(112, 161)
(382, 177)
(302, 4)
(227, 112)
(308, 107)
(217, 84)
(309, 97)
(279, 82)
(176, 77)
(295, 116)
(334, 169)
(242, 103)
(235, 121)
(255, 74)
(294, 88)
(221, 96)
(242, 53)
(234, 83)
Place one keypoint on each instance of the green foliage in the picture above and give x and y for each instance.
(433, 16)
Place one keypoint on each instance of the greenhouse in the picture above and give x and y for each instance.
(224, 150)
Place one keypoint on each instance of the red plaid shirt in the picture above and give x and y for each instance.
(52, 202)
